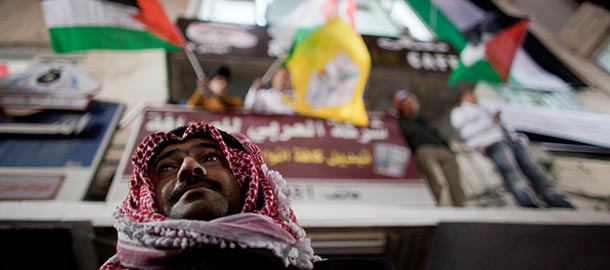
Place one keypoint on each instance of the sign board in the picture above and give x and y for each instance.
(28, 186)
(322, 160)
(407, 53)
(59, 166)
(225, 39)
(249, 40)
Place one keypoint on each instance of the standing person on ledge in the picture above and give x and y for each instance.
(270, 101)
(212, 95)
(200, 198)
(482, 130)
(431, 151)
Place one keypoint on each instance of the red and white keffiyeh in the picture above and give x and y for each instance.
(149, 240)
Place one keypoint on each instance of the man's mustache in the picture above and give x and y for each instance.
(192, 181)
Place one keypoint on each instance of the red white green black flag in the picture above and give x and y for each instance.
(77, 25)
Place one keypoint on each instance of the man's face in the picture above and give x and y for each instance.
(192, 180)
(469, 96)
(410, 106)
(281, 80)
(219, 85)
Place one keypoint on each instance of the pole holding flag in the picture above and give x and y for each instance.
(190, 55)
(275, 66)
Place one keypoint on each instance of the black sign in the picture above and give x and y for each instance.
(422, 56)
(225, 39)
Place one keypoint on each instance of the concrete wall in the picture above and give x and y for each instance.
(552, 14)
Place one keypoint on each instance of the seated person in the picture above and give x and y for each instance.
(212, 95)
(200, 198)
(270, 101)
(481, 129)
(431, 151)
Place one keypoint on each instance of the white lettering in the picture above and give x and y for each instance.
(344, 131)
(229, 124)
(453, 61)
(441, 61)
(375, 131)
(413, 60)
(163, 123)
(432, 62)
(428, 61)
(410, 44)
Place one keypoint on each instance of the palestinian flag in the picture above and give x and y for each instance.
(491, 59)
(466, 23)
(77, 25)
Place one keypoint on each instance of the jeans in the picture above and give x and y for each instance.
(515, 165)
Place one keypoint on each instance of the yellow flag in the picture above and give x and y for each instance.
(329, 69)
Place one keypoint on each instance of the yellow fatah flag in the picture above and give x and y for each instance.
(329, 69)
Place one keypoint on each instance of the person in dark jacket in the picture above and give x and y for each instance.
(432, 153)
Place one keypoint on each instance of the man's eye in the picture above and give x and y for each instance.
(165, 168)
(211, 157)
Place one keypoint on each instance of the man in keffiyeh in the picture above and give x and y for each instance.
(200, 198)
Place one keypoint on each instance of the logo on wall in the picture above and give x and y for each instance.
(219, 38)
(335, 84)
(428, 56)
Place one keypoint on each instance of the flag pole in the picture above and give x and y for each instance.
(275, 66)
(188, 50)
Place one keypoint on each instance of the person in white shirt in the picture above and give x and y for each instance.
(270, 101)
(481, 129)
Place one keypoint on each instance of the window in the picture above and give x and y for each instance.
(378, 18)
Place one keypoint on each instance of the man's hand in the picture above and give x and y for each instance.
(497, 116)
(203, 86)
(201, 82)
(257, 83)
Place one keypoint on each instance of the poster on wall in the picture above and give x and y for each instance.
(43, 157)
(322, 160)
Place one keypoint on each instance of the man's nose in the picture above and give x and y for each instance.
(189, 168)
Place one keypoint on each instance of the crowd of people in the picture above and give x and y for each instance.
(480, 128)
(212, 94)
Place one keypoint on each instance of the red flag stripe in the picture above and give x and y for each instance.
(154, 18)
(331, 8)
(500, 50)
